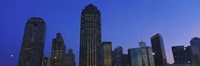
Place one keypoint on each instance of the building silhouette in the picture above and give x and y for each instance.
(118, 56)
(159, 50)
(90, 37)
(180, 54)
(189, 54)
(147, 54)
(32, 48)
(126, 60)
(70, 58)
(195, 45)
(107, 53)
(58, 51)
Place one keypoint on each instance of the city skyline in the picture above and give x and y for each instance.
(110, 32)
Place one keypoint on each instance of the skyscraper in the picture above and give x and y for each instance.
(135, 57)
(189, 54)
(90, 37)
(32, 49)
(147, 54)
(159, 50)
(195, 45)
(58, 51)
(118, 56)
(70, 58)
(126, 60)
(107, 53)
(179, 54)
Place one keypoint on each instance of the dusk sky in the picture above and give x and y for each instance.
(124, 22)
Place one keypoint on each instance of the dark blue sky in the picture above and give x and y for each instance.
(124, 22)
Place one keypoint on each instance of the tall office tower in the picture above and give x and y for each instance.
(159, 50)
(113, 58)
(195, 45)
(32, 48)
(107, 53)
(180, 54)
(147, 54)
(135, 57)
(58, 51)
(45, 61)
(118, 56)
(126, 61)
(90, 37)
(189, 54)
(70, 58)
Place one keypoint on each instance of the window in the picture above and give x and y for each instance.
(35, 27)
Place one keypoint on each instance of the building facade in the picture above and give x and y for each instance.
(126, 60)
(147, 54)
(107, 53)
(32, 48)
(195, 45)
(135, 57)
(70, 58)
(180, 55)
(189, 54)
(90, 37)
(118, 56)
(158, 50)
(58, 51)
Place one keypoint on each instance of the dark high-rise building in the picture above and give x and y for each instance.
(159, 50)
(195, 45)
(118, 56)
(180, 54)
(58, 51)
(126, 60)
(90, 37)
(147, 54)
(32, 48)
(113, 58)
(107, 53)
(70, 58)
(189, 54)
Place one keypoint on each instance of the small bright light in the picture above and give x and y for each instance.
(153, 53)
(11, 55)
(55, 57)
(188, 61)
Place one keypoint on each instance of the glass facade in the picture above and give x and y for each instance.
(147, 54)
(158, 50)
(135, 57)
